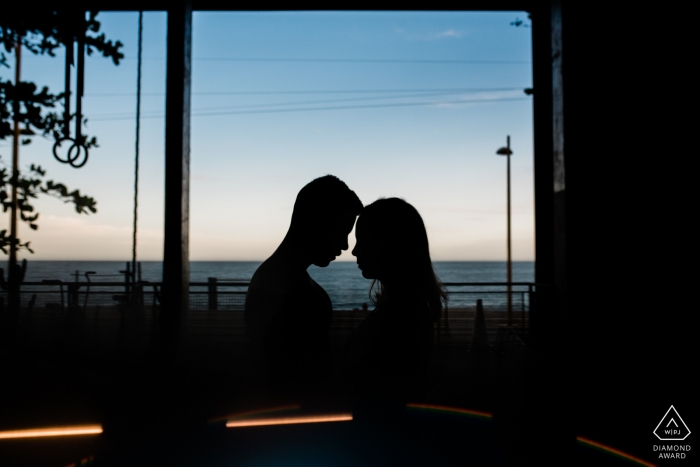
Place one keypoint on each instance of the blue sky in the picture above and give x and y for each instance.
(408, 104)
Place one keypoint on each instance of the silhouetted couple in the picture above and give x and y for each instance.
(289, 314)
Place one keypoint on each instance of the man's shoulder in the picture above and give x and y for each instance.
(262, 300)
(258, 284)
(270, 277)
(268, 289)
(259, 274)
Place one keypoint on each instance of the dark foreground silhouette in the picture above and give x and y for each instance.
(388, 352)
(287, 312)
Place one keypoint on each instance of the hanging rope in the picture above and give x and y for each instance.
(77, 154)
(138, 135)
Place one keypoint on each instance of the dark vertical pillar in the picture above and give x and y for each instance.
(558, 184)
(176, 266)
(603, 147)
(544, 396)
(551, 229)
(544, 172)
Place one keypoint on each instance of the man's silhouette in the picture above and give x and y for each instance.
(286, 311)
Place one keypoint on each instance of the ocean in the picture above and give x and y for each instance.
(342, 280)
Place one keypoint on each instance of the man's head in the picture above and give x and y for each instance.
(324, 214)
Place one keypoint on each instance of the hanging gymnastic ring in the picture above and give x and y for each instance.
(56, 145)
(72, 159)
(72, 155)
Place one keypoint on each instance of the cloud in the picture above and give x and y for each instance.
(429, 36)
(71, 238)
(449, 33)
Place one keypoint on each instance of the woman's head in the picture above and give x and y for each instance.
(392, 248)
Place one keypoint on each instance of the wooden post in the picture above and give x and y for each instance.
(176, 267)
(127, 281)
(480, 339)
(509, 276)
(212, 294)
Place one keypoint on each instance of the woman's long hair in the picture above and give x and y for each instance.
(405, 254)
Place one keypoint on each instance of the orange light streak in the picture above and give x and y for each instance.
(451, 409)
(54, 431)
(288, 420)
(249, 413)
(613, 451)
(581, 439)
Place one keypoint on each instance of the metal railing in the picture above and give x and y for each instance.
(229, 295)
(47, 307)
(494, 296)
(61, 295)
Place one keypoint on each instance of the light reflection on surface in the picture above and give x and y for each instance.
(290, 420)
(257, 412)
(617, 452)
(53, 431)
(84, 461)
(242, 420)
(443, 408)
(580, 439)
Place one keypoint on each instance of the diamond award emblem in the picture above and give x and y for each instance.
(671, 427)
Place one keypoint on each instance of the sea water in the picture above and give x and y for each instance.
(342, 280)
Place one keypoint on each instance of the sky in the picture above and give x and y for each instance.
(406, 104)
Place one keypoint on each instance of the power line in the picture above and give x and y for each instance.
(354, 60)
(337, 91)
(284, 104)
(348, 107)
(368, 106)
(155, 114)
(328, 101)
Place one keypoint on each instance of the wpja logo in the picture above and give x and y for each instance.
(672, 428)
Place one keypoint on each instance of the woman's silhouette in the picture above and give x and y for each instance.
(386, 351)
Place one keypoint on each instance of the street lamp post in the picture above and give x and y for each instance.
(506, 151)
